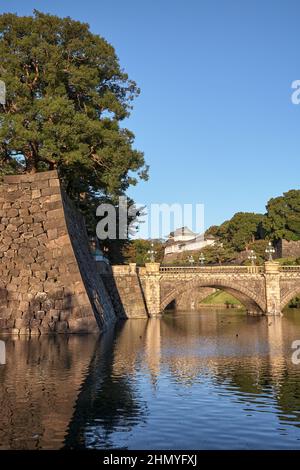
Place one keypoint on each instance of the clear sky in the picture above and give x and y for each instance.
(214, 118)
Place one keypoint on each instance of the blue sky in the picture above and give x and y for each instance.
(214, 118)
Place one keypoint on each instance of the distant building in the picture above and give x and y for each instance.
(184, 239)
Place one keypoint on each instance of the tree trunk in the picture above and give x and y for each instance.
(31, 160)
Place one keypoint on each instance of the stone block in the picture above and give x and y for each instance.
(62, 327)
(83, 325)
(32, 243)
(65, 315)
(40, 314)
(53, 205)
(38, 231)
(54, 183)
(50, 191)
(41, 296)
(36, 193)
(40, 184)
(52, 234)
(24, 331)
(15, 331)
(12, 213)
(21, 323)
(46, 175)
(39, 217)
(55, 214)
(27, 219)
(12, 179)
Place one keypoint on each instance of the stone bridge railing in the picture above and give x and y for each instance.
(223, 269)
(210, 269)
(291, 269)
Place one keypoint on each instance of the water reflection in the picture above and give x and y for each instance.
(209, 380)
(38, 388)
(108, 403)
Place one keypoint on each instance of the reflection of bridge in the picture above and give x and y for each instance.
(104, 381)
(186, 351)
(150, 289)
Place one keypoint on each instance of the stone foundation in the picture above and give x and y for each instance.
(48, 278)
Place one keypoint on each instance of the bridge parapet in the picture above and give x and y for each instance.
(124, 269)
(291, 269)
(212, 269)
(267, 267)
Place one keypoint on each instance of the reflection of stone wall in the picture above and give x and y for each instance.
(39, 386)
(48, 279)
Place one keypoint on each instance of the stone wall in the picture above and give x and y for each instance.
(48, 279)
(287, 249)
(126, 292)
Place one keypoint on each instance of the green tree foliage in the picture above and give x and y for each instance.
(136, 251)
(214, 254)
(250, 231)
(66, 99)
(218, 254)
(114, 248)
(294, 303)
(212, 231)
(238, 232)
(283, 217)
(259, 248)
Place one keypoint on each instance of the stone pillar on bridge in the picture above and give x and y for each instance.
(272, 283)
(152, 289)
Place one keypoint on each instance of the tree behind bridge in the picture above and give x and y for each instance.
(283, 216)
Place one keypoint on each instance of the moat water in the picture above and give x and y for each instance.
(209, 380)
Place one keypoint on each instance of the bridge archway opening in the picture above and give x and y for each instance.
(171, 306)
(249, 304)
(188, 300)
(222, 298)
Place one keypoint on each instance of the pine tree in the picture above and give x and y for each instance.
(66, 97)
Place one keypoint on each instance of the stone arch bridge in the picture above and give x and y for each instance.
(50, 283)
(147, 291)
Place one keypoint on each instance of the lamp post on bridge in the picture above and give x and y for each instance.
(202, 258)
(270, 250)
(152, 253)
(191, 260)
(252, 257)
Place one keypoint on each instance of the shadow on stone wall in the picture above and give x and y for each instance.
(112, 289)
(126, 291)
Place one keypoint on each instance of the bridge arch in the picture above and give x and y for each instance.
(288, 296)
(249, 299)
(191, 298)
